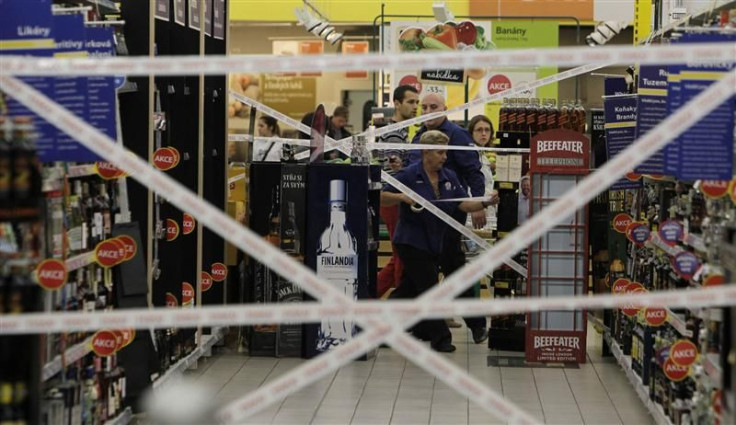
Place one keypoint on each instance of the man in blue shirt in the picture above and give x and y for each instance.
(419, 235)
(467, 167)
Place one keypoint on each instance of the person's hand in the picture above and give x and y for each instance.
(406, 199)
(479, 219)
(495, 198)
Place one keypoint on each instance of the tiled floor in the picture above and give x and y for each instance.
(390, 390)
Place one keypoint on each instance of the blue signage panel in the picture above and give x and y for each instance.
(620, 128)
(27, 30)
(651, 110)
(71, 92)
(101, 96)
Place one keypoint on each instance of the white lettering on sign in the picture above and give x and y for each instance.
(560, 145)
(105, 343)
(34, 31)
(683, 354)
(51, 274)
(104, 253)
(655, 314)
(162, 158)
(557, 341)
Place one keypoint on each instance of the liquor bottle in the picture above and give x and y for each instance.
(77, 231)
(553, 115)
(337, 261)
(512, 114)
(26, 181)
(503, 115)
(542, 111)
(521, 111)
(563, 121)
(291, 241)
(532, 114)
(581, 116)
(105, 209)
(274, 217)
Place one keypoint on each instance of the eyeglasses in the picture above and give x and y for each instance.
(482, 130)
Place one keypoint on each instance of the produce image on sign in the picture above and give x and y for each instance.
(447, 36)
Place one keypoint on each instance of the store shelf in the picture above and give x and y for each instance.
(712, 368)
(676, 321)
(71, 355)
(695, 241)
(625, 362)
(175, 372)
(79, 261)
(123, 418)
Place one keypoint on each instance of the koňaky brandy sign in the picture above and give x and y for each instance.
(560, 150)
(555, 347)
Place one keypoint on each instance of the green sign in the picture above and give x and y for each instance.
(525, 35)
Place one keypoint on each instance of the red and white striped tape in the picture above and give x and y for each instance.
(218, 65)
(312, 312)
(207, 215)
(641, 149)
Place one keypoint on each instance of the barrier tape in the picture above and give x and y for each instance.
(460, 227)
(218, 65)
(216, 220)
(375, 145)
(533, 228)
(236, 178)
(73, 124)
(313, 312)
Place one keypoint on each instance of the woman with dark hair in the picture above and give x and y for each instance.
(481, 130)
(267, 151)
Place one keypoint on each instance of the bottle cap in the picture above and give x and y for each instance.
(337, 191)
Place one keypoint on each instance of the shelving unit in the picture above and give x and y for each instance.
(176, 371)
(625, 362)
(71, 355)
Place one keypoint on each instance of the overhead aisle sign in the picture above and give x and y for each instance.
(27, 29)
(651, 110)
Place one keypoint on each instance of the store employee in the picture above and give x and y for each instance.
(419, 234)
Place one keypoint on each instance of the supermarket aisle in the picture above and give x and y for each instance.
(390, 390)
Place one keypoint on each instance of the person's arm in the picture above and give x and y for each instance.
(467, 163)
(473, 206)
(389, 199)
(415, 155)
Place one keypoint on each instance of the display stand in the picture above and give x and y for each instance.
(558, 260)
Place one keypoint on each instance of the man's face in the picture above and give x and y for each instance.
(526, 187)
(339, 122)
(407, 108)
(430, 104)
(434, 159)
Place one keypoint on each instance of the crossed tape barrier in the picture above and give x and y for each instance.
(532, 229)
(218, 65)
(331, 143)
(259, 249)
(342, 146)
(312, 312)
(374, 145)
(730, 81)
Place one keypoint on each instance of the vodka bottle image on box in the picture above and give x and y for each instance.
(337, 261)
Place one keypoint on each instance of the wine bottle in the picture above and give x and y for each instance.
(337, 261)
(290, 242)
(6, 172)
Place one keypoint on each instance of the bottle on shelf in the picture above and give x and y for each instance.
(503, 115)
(337, 261)
(553, 115)
(291, 240)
